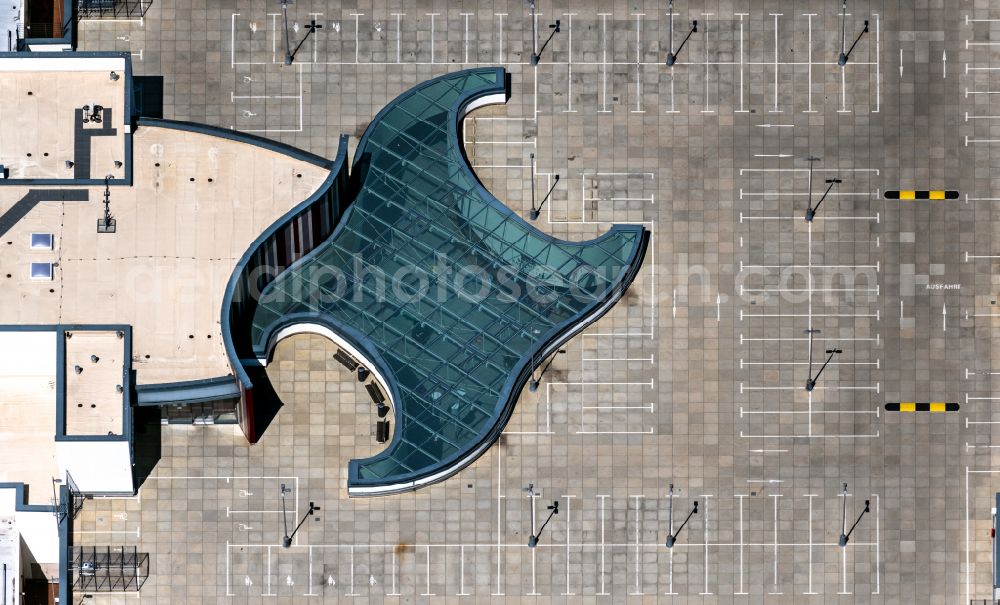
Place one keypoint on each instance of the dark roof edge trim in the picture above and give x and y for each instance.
(221, 388)
(241, 137)
(227, 301)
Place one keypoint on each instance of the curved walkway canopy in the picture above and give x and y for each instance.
(448, 295)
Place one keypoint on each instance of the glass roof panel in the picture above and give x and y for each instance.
(441, 285)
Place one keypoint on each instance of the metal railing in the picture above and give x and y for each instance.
(76, 496)
(112, 9)
(109, 569)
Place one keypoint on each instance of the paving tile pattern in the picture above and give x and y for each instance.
(696, 379)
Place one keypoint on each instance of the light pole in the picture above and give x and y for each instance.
(810, 379)
(842, 60)
(844, 55)
(533, 538)
(845, 536)
(288, 43)
(533, 383)
(533, 214)
(672, 537)
(286, 541)
(671, 55)
(310, 29)
(811, 211)
(809, 202)
(535, 56)
(811, 382)
(534, 34)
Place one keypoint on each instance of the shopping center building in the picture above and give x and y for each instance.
(153, 265)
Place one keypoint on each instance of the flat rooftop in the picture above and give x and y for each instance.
(196, 204)
(28, 412)
(42, 96)
(94, 373)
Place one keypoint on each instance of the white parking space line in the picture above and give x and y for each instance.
(650, 359)
(742, 108)
(707, 63)
(766, 412)
(876, 219)
(874, 171)
(779, 290)
(357, 34)
(569, 63)
(638, 63)
(394, 592)
(809, 78)
(810, 590)
(638, 561)
(533, 497)
(874, 435)
(232, 40)
(744, 314)
(705, 497)
(775, 109)
(603, 498)
(802, 194)
(500, 17)
(775, 590)
(568, 498)
(744, 387)
(465, 37)
(803, 338)
(461, 573)
(309, 591)
(604, 63)
(274, 36)
(427, 592)
(878, 63)
(877, 266)
(500, 497)
(399, 34)
(740, 498)
(432, 16)
(268, 576)
(803, 363)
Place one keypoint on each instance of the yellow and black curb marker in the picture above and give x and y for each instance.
(931, 194)
(909, 406)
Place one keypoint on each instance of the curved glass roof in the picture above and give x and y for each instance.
(447, 292)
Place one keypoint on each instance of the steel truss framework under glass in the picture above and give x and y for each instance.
(449, 295)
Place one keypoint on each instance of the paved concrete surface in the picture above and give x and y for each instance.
(697, 378)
